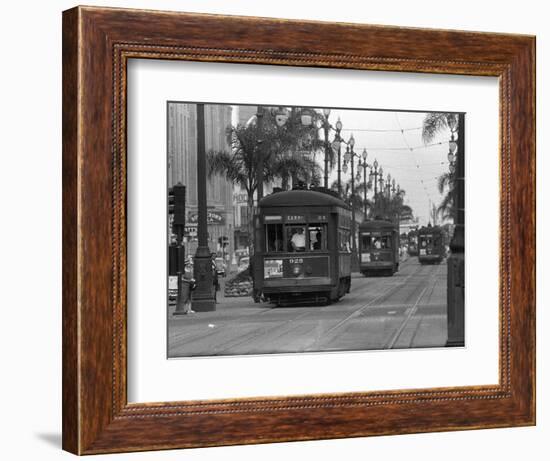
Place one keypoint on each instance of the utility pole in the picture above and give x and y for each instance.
(455, 263)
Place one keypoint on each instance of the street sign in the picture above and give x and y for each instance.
(212, 217)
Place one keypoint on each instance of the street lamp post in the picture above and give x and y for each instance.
(349, 158)
(364, 165)
(375, 174)
(328, 147)
(260, 117)
(381, 207)
(203, 299)
(337, 138)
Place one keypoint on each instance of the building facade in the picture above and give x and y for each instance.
(182, 168)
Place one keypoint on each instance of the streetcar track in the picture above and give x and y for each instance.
(416, 330)
(392, 289)
(412, 310)
(219, 329)
(258, 332)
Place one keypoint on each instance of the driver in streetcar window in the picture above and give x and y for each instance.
(298, 240)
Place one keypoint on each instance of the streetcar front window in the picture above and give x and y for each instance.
(426, 242)
(296, 238)
(317, 234)
(369, 242)
(274, 237)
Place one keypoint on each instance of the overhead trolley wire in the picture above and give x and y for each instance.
(372, 130)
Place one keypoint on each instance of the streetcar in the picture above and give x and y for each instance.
(303, 253)
(431, 245)
(412, 243)
(378, 247)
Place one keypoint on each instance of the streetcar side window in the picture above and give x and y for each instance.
(344, 240)
(317, 234)
(274, 237)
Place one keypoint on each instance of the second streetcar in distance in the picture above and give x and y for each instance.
(431, 245)
(378, 247)
(412, 243)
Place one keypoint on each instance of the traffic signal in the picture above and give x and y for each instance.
(178, 192)
(170, 201)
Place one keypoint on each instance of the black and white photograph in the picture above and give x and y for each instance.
(313, 229)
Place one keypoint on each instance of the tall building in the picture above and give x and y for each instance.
(182, 167)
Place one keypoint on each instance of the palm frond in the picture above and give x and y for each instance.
(433, 123)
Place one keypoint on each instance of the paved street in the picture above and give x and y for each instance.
(403, 311)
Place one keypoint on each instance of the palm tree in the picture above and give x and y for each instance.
(299, 168)
(434, 123)
(391, 208)
(446, 183)
(284, 151)
(356, 200)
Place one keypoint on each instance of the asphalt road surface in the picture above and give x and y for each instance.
(407, 310)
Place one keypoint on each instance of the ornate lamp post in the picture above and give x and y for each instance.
(328, 147)
(203, 299)
(381, 187)
(349, 158)
(338, 140)
(374, 172)
(366, 185)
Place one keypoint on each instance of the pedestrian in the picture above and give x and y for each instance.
(215, 279)
(188, 286)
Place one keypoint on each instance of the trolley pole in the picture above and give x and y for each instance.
(455, 263)
(203, 296)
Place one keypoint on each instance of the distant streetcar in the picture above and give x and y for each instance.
(378, 247)
(304, 253)
(412, 243)
(431, 245)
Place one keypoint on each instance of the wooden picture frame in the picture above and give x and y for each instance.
(97, 43)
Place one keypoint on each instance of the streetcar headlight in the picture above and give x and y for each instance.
(296, 269)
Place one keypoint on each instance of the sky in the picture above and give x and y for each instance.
(394, 139)
(402, 154)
